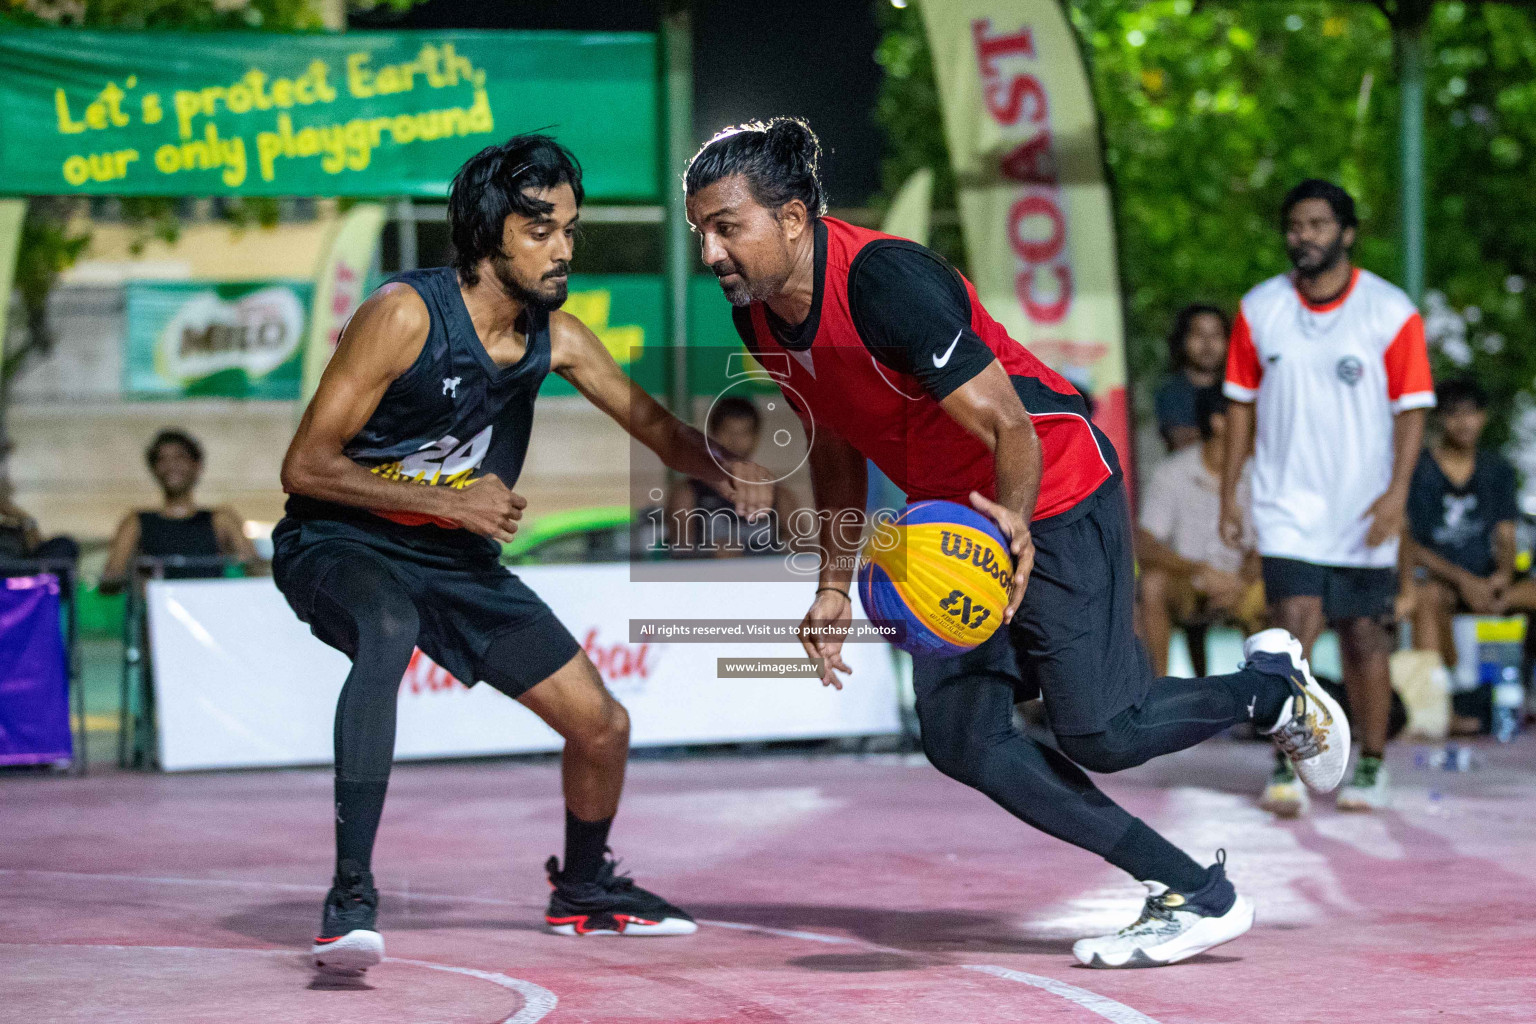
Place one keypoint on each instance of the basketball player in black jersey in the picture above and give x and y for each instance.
(400, 477)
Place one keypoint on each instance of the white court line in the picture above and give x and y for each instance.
(1102, 1005)
(538, 1002)
(831, 940)
(1105, 1007)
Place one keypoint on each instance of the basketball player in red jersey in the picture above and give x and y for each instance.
(894, 360)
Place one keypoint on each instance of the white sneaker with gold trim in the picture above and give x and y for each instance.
(1311, 729)
(1173, 926)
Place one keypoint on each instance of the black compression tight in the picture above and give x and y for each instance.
(968, 734)
(362, 610)
(1177, 713)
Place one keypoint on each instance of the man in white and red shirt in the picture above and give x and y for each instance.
(1329, 361)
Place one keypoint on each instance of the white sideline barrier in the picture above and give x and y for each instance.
(240, 682)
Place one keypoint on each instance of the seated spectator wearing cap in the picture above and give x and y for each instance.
(179, 527)
(1197, 359)
(1189, 576)
(1461, 524)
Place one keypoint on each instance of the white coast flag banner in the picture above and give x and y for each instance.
(1035, 206)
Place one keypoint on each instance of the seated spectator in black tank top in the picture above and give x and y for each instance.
(178, 529)
(701, 522)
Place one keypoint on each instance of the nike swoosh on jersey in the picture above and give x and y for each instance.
(938, 363)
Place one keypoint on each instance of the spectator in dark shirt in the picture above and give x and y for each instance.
(179, 527)
(1461, 522)
(1197, 359)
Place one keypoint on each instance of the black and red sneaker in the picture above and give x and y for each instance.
(349, 941)
(612, 905)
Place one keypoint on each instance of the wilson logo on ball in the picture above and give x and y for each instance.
(982, 557)
(940, 572)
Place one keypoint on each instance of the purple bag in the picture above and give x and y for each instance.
(34, 675)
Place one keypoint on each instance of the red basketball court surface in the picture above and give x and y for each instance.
(835, 888)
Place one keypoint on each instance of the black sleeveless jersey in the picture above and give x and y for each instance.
(452, 417)
(193, 537)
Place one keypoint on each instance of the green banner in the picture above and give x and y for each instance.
(191, 339)
(627, 312)
(354, 114)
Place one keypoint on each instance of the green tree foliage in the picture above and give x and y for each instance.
(1212, 112)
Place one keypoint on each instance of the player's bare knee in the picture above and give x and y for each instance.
(616, 732)
(605, 731)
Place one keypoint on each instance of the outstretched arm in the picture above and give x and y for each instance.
(381, 342)
(579, 357)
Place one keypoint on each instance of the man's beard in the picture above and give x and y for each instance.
(744, 291)
(1326, 260)
(738, 294)
(549, 294)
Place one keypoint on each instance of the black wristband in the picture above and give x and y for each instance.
(836, 590)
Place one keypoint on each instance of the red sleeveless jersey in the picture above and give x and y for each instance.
(837, 383)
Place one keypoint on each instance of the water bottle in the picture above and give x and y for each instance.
(1508, 705)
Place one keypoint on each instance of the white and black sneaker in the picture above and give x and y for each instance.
(611, 905)
(1174, 926)
(349, 941)
(1311, 730)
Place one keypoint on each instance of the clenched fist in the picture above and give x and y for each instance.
(488, 507)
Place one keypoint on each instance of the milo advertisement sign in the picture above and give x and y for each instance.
(204, 339)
